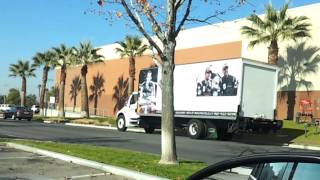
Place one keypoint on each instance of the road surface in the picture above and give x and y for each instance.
(209, 151)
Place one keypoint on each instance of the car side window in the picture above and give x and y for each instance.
(308, 171)
(134, 99)
(270, 171)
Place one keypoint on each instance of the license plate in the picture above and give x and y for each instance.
(26, 112)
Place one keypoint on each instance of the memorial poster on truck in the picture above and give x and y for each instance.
(148, 90)
(199, 88)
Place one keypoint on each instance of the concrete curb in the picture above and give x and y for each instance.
(103, 127)
(298, 146)
(108, 168)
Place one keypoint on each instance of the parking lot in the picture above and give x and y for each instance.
(16, 164)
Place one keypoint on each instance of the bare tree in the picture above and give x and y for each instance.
(160, 23)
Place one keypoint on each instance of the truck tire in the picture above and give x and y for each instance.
(196, 129)
(121, 123)
(149, 130)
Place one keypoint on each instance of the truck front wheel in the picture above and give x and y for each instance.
(121, 123)
(196, 129)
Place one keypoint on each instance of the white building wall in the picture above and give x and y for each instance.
(261, 52)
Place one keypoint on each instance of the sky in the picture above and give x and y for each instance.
(31, 26)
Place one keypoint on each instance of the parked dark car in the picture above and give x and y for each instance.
(9, 112)
(24, 113)
(18, 113)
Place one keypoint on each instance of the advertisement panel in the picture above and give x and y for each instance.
(148, 87)
(208, 87)
(200, 89)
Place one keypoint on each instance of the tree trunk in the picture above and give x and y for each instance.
(291, 103)
(43, 88)
(132, 73)
(273, 51)
(63, 75)
(74, 101)
(168, 142)
(95, 103)
(23, 91)
(84, 92)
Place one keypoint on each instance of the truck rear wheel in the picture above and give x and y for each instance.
(121, 123)
(196, 129)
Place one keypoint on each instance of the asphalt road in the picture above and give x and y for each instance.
(210, 151)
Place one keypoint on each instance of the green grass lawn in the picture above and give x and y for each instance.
(143, 162)
(312, 137)
(100, 121)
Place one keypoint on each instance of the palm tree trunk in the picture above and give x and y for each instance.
(95, 103)
(273, 51)
(132, 73)
(291, 103)
(63, 75)
(43, 88)
(23, 91)
(74, 101)
(84, 92)
(168, 142)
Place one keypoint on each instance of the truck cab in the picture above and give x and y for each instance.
(127, 116)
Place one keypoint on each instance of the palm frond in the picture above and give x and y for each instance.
(276, 25)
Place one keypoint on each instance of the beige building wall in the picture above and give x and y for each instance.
(112, 69)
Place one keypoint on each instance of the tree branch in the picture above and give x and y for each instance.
(155, 26)
(171, 19)
(141, 29)
(215, 15)
(180, 2)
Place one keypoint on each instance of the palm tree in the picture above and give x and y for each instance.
(86, 55)
(75, 87)
(120, 93)
(24, 70)
(97, 88)
(131, 47)
(301, 61)
(65, 56)
(48, 60)
(275, 26)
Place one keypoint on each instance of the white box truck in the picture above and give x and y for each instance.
(209, 97)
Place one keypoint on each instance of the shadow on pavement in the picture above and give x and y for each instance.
(284, 136)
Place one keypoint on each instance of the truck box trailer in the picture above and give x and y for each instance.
(215, 96)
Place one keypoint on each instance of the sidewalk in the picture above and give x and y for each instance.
(108, 169)
(19, 164)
